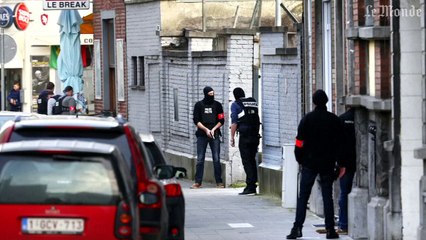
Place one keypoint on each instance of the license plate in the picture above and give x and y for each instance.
(52, 225)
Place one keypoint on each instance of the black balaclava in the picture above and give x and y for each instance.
(238, 93)
(320, 98)
(207, 98)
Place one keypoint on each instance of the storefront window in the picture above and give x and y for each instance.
(40, 77)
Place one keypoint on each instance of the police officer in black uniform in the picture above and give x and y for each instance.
(245, 120)
(208, 117)
(317, 150)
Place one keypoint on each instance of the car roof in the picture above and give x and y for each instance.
(11, 113)
(57, 145)
(146, 137)
(69, 121)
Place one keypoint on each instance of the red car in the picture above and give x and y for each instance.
(65, 190)
(153, 213)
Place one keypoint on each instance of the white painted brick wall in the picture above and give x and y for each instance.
(200, 44)
(240, 57)
(143, 41)
(411, 121)
(281, 98)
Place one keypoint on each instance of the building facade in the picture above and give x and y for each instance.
(30, 56)
(377, 66)
(110, 69)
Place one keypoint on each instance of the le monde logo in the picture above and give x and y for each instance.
(389, 11)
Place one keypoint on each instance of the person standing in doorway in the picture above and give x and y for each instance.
(208, 117)
(14, 97)
(317, 151)
(245, 121)
(347, 173)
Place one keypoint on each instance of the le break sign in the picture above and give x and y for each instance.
(65, 4)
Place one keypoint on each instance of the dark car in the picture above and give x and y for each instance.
(56, 189)
(175, 199)
(115, 131)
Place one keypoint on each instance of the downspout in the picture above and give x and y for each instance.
(308, 88)
(277, 13)
(396, 58)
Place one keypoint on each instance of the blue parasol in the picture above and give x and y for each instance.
(70, 66)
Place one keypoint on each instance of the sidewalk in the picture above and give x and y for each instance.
(213, 214)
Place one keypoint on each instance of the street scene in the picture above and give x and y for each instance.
(205, 119)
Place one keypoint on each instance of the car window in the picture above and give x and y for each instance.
(116, 138)
(155, 154)
(47, 180)
(4, 119)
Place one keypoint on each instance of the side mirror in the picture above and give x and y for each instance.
(180, 172)
(164, 171)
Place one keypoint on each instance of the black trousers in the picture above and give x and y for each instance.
(248, 149)
(306, 183)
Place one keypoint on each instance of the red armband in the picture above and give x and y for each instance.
(299, 143)
(221, 116)
(72, 108)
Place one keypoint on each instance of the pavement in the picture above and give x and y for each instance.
(214, 214)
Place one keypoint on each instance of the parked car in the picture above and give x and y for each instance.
(60, 189)
(174, 196)
(115, 131)
(9, 115)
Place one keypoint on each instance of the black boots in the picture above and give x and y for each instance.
(295, 233)
(331, 234)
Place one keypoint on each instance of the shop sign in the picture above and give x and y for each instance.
(22, 16)
(86, 39)
(6, 17)
(65, 4)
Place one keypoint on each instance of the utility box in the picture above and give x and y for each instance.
(290, 177)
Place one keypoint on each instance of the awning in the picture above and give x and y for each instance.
(87, 26)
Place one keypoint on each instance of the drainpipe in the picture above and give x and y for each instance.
(277, 13)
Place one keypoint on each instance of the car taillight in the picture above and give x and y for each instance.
(174, 232)
(149, 195)
(123, 221)
(5, 137)
(173, 190)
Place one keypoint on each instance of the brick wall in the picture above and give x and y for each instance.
(383, 71)
(118, 7)
(200, 44)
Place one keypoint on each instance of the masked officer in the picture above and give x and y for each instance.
(317, 150)
(245, 120)
(208, 117)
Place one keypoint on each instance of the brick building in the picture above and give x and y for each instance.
(377, 65)
(110, 69)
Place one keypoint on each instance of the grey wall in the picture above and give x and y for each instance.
(281, 97)
(145, 107)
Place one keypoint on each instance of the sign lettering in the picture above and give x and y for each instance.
(22, 16)
(65, 4)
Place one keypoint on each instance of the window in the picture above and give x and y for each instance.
(175, 104)
(135, 71)
(138, 69)
(55, 180)
(142, 71)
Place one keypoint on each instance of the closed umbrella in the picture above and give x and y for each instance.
(70, 67)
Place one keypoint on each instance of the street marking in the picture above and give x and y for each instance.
(240, 225)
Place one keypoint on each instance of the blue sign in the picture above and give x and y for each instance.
(6, 17)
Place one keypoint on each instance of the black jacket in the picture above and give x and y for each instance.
(318, 140)
(199, 109)
(349, 142)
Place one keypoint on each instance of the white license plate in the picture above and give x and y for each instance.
(52, 225)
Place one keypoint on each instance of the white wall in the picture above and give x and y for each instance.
(411, 119)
